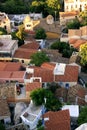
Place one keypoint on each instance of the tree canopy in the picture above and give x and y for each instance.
(51, 103)
(83, 54)
(63, 48)
(74, 24)
(40, 34)
(39, 58)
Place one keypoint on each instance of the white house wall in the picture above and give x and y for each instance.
(70, 5)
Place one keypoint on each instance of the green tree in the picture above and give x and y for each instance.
(53, 4)
(83, 54)
(51, 104)
(15, 6)
(82, 116)
(39, 58)
(53, 7)
(40, 34)
(74, 24)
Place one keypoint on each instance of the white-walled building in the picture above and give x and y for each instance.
(75, 5)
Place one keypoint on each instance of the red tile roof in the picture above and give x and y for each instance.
(70, 75)
(72, 41)
(76, 43)
(69, 14)
(33, 86)
(45, 74)
(12, 75)
(33, 45)
(9, 66)
(24, 53)
(48, 65)
(59, 120)
(2, 66)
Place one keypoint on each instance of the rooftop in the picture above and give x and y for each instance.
(7, 44)
(59, 120)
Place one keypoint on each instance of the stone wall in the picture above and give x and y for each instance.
(7, 90)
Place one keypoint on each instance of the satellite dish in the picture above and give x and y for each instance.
(50, 19)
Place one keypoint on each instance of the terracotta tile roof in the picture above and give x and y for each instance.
(12, 75)
(12, 66)
(4, 109)
(9, 66)
(69, 14)
(17, 74)
(2, 66)
(59, 120)
(33, 45)
(33, 86)
(70, 75)
(47, 65)
(45, 74)
(5, 74)
(24, 53)
(77, 42)
(72, 40)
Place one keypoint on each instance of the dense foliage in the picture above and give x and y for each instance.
(26, 6)
(39, 58)
(83, 54)
(15, 6)
(82, 116)
(74, 24)
(40, 34)
(63, 48)
(51, 103)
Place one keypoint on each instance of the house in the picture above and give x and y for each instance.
(75, 5)
(59, 120)
(76, 43)
(24, 52)
(4, 112)
(75, 37)
(32, 115)
(78, 33)
(11, 71)
(29, 23)
(7, 49)
(67, 16)
(64, 74)
(5, 22)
